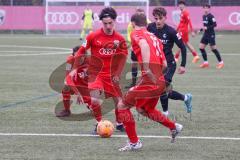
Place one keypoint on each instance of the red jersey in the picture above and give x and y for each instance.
(104, 47)
(78, 76)
(185, 21)
(157, 58)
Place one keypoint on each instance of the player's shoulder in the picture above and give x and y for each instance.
(186, 12)
(170, 29)
(118, 36)
(211, 15)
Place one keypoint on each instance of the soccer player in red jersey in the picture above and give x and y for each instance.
(74, 86)
(149, 52)
(108, 51)
(185, 23)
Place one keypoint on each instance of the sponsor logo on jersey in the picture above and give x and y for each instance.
(107, 51)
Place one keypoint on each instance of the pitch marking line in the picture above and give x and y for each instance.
(35, 47)
(116, 136)
(34, 54)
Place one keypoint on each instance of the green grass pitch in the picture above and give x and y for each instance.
(27, 105)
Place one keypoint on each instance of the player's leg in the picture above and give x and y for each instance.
(164, 103)
(66, 96)
(128, 121)
(193, 51)
(149, 110)
(214, 49)
(202, 46)
(95, 107)
(187, 98)
(134, 70)
(119, 124)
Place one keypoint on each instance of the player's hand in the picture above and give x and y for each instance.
(204, 28)
(181, 70)
(115, 79)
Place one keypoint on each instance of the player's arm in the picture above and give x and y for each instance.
(118, 61)
(178, 40)
(145, 51)
(213, 23)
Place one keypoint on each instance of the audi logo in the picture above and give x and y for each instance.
(107, 51)
(234, 18)
(62, 18)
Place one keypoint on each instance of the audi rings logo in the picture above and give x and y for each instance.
(107, 51)
(62, 18)
(234, 18)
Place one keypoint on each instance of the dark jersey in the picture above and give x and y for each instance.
(209, 22)
(169, 36)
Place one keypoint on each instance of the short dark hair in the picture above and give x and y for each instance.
(75, 49)
(108, 12)
(139, 19)
(206, 5)
(181, 2)
(159, 11)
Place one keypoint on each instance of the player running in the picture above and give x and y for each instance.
(144, 95)
(134, 64)
(183, 29)
(209, 23)
(108, 51)
(87, 20)
(169, 36)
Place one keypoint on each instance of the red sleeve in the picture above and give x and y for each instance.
(189, 21)
(89, 40)
(77, 58)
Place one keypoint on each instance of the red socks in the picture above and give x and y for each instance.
(157, 116)
(66, 99)
(97, 112)
(125, 117)
(194, 53)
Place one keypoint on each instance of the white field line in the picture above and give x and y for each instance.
(35, 47)
(27, 51)
(34, 54)
(116, 136)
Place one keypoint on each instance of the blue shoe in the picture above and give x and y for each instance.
(188, 103)
(120, 127)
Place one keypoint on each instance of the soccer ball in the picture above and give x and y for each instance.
(105, 129)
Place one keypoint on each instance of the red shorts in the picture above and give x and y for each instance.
(106, 85)
(79, 87)
(184, 35)
(145, 94)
